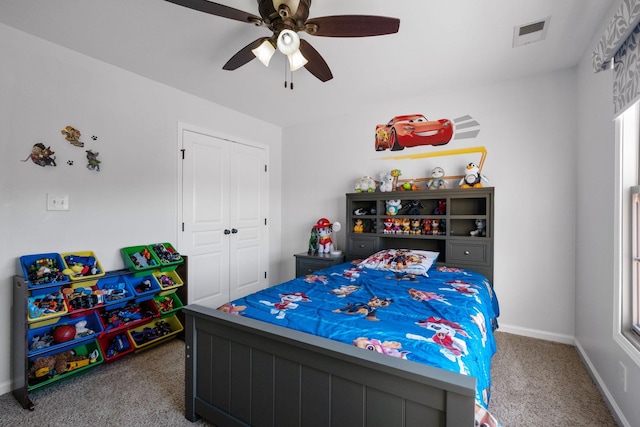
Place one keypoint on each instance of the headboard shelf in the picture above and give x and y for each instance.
(458, 237)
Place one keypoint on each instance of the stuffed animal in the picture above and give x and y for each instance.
(324, 228)
(313, 241)
(415, 226)
(437, 179)
(406, 226)
(358, 227)
(413, 207)
(365, 184)
(472, 177)
(393, 206)
(480, 231)
(386, 181)
(388, 226)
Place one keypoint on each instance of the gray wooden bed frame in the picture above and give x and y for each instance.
(243, 372)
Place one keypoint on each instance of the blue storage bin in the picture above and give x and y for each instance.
(115, 290)
(40, 338)
(144, 287)
(43, 270)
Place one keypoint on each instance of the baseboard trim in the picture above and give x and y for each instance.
(5, 387)
(538, 334)
(604, 391)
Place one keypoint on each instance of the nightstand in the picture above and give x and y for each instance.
(307, 264)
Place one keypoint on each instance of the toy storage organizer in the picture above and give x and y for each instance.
(72, 324)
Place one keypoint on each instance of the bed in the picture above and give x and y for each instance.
(296, 354)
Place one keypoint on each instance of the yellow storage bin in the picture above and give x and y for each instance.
(149, 334)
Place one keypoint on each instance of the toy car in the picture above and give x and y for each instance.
(412, 130)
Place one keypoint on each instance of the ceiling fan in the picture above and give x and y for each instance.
(285, 18)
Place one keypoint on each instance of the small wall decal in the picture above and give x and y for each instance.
(92, 161)
(41, 155)
(72, 135)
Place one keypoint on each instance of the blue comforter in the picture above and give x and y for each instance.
(444, 320)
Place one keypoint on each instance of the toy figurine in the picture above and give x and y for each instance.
(313, 241)
(437, 179)
(393, 206)
(386, 182)
(426, 226)
(388, 226)
(472, 177)
(365, 184)
(415, 226)
(413, 207)
(480, 230)
(441, 209)
(395, 174)
(435, 227)
(358, 227)
(324, 228)
(397, 226)
(406, 226)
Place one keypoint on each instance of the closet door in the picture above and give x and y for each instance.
(224, 206)
(248, 245)
(205, 211)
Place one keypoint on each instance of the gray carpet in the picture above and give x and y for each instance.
(535, 383)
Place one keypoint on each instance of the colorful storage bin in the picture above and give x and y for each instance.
(81, 298)
(40, 335)
(43, 370)
(45, 303)
(168, 280)
(115, 290)
(168, 256)
(127, 315)
(140, 259)
(146, 336)
(84, 265)
(115, 345)
(42, 270)
(143, 287)
(168, 303)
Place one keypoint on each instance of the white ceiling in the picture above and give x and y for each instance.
(441, 43)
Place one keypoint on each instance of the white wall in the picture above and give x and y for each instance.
(595, 224)
(133, 199)
(528, 128)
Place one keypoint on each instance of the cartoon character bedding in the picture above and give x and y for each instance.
(396, 302)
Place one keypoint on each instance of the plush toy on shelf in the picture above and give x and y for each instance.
(365, 184)
(437, 179)
(358, 226)
(386, 182)
(393, 206)
(481, 228)
(472, 177)
(396, 173)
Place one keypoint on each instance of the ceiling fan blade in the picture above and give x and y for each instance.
(218, 10)
(316, 65)
(353, 26)
(244, 55)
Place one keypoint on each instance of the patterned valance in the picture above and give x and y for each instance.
(622, 25)
(621, 42)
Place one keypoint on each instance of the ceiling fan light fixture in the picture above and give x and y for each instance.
(288, 42)
(297, 60)
(264, 52)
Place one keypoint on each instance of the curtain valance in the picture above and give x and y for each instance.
(623, 24)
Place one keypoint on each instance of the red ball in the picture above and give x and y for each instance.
(64, 333)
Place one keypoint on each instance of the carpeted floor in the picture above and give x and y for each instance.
(535, 384)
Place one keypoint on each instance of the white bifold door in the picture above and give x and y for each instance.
(224, 213)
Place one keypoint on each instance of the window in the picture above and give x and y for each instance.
(628, 190)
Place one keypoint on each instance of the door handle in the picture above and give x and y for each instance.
(234, 230)
(227, 231)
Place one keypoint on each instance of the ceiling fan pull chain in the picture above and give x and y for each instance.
(291, 85)
(285, 74)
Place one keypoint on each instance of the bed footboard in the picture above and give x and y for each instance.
(243, 372)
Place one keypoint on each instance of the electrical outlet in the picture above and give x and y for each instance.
(623, 376)
(57, 202)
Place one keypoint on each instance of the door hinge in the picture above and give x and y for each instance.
(265, 221)
(265, 274)
(265, 168)
(183, 150)
(183, 226)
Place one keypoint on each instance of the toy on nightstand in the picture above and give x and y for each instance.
(481, 228)
(472, 177)
(324, 228)
(437, 179)
(313, 241)
(386, 182)
(358, 227)
(365, 184)
(393, 206)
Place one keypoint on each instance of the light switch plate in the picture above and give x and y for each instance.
(57, 202)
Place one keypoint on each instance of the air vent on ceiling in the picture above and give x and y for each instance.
(531, 32)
